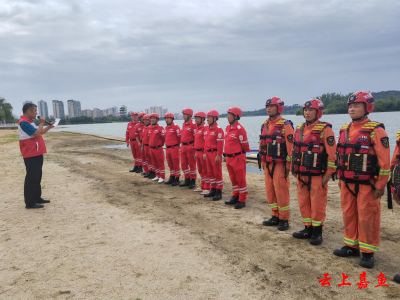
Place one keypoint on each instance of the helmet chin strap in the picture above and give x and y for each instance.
(310, 122)
(359, 119)
(234, 120)
(274, 115)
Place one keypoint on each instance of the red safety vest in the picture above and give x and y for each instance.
(30, 146)
(396, 169)
(272, 145)
(355, 164)
(308, 159)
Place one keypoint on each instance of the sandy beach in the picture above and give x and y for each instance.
(111, 234)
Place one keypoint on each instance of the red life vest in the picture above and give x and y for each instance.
(30, 146)
(396, 170)
(308, 159)
(272, 145)
(355, 164)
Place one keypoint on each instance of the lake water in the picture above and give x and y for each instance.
(252, 125)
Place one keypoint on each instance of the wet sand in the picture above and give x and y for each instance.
(111, 234)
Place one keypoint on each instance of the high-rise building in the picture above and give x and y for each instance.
(74, 108)
(164, 111)
(43, 109)
(97, 113)
(105, 113)
(58, 109)
(87, 113)
(147, 111)
(115, 111)
(123, 110)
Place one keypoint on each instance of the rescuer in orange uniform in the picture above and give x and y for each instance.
(172, 143)
(199, 142)
(313, 164)
(363, 169)
(156, 141)
(395, 181)
(146, 149)
(139, 136)
(188, 162)
(133, 143)
(276, 145)
(236, 146)
(214, 147)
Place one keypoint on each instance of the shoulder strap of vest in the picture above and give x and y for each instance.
(263, 124)
(299, 126)
(344, 127)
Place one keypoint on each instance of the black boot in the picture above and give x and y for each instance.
(283, 225)
(303, 234)
(274, 221)
(147, 174)
(316, 238)
(346, 251)
(134, 169)
(211, 193)
(170, 180)
(152, 175)
(367, 260)
(240, 205)
(192, 183)
(185, 183)
(233, 200)
(218, 195)
(396, 278)
(139, 169)
(176, 182)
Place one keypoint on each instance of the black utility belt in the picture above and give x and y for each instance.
(212, 150)
(172, 146)
(234, 154)
(155, 147)
(185, 144)
(145, 144)
(364, 182)
(199, 150)
(132, 140)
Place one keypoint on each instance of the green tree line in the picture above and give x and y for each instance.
(5, 111)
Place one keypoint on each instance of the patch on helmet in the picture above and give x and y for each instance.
(330, 140)
(290, 138)
(385, 142)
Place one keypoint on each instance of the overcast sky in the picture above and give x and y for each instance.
(205, 54)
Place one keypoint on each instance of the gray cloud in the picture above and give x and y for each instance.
(211, 54)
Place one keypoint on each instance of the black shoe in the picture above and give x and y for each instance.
(139, 169)
(283, 225)
(144, 173)
(346, 251)
(316, 238)
(303, 234)
(41, 201)
(218, 195)
(211, 193)
(233, 200)
(185, 183)
(274, 221)
(240, 205)
(192, 183)
(147, 174)
(176, 182)
(134, 169)
(34, 206)
(367, 260)
(396, 278)
(152, 175)
(170, 180)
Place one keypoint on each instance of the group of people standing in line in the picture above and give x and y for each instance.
(360, 159)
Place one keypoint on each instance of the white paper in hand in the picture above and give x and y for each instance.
(56, 122)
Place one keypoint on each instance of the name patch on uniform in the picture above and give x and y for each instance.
(330, 140)
(290, 138)
(385, 142)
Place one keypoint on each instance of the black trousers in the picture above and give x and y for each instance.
(33, 178)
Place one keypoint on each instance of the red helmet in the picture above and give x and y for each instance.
(169, 115)
(141, 114)
(213, 113)
(188, 111)
(154, 115)
(134, 114)
(276, 101)
(146, 117)
(316, 104)
(200, 114)
(363, 97)
(235, 111)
